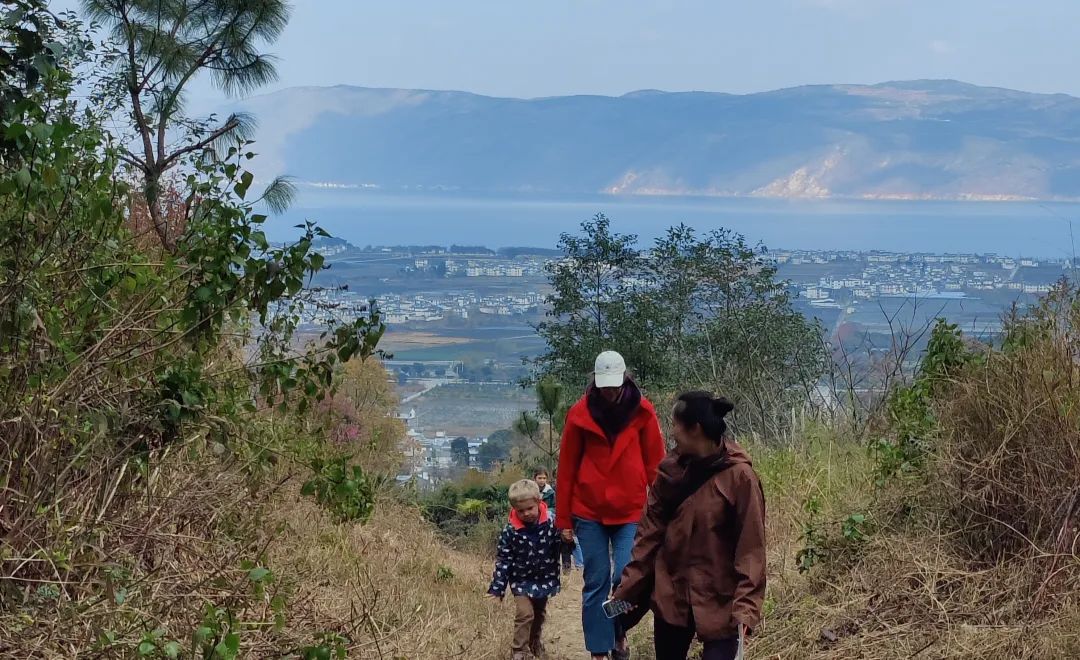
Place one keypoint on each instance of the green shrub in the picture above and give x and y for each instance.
(912, 424)
(343, 489)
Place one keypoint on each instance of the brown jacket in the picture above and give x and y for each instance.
(706, 565)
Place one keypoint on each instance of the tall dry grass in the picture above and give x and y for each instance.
(389, 588)
(1010, 463)
(977, 556)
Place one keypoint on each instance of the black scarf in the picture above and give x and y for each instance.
(612, 418)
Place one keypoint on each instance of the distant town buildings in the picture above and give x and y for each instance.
(823, 278)
(420, 307)
(871, 275)
(430, 454)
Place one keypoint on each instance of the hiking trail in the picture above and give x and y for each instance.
(562, 632)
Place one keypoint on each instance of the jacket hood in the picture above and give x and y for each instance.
(580, 416)
(674, 465)
(680, 476)
(735, 453)
(517, 523)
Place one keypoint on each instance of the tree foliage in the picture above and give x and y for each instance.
(459, 448)
(110, 355)
(162, 46)
(542, 427)
(692, 311)
(591, 308)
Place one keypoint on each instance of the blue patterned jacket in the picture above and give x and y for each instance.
(527, 560)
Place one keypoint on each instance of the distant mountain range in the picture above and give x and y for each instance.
(897, 140)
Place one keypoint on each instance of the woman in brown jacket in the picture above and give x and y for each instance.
(699, 554)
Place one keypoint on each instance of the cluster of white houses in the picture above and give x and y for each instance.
(430, 456)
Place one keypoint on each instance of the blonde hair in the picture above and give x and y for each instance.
(526, 489)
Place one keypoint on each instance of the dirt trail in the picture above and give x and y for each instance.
(562, 632)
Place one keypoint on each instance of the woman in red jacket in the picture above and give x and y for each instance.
(610, 450)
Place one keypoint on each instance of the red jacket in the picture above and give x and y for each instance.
(602, 481)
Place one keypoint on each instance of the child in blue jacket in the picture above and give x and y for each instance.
(547, 494)
(527, 562)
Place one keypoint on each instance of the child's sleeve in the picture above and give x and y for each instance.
(504, 560)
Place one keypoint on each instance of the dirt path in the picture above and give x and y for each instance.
(562, 632)
(563, 635)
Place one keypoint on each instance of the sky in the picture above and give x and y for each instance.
(538, 48)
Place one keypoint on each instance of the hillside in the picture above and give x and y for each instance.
(900, 140)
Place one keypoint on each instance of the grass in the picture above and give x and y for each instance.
(907, 586)
(911, 589)
(277, 571)
(391, 585)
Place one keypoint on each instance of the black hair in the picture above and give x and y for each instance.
(702, 408)
(540, 471)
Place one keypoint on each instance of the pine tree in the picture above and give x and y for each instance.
(164, 46)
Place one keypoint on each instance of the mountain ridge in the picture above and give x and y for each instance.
(921, 139)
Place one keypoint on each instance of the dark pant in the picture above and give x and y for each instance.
(673, 643)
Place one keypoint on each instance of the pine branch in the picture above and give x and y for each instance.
(229, 126)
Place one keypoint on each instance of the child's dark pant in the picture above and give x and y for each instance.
(528, 623)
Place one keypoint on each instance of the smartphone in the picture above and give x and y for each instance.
(614, 608)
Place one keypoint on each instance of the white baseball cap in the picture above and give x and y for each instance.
(610, 370)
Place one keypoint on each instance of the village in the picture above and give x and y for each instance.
(429, 287)
(432, 458)
(847, 276)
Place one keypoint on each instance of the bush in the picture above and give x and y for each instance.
(144, 388)
(470, 514)
(1010, 464)
(912, 423)
(342, 488)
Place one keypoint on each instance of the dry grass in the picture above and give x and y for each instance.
(931, 581)
(988, 563)
(978, 559)
(146, 562)
(1011, 456)
(391, 585)
(911, 597)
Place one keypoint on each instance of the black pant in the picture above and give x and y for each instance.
(673, 643)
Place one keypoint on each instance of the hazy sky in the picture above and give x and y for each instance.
(552, 47)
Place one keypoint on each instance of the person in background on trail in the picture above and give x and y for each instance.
(570, 550)
(547, 491)
(527, 562)
(611, 447)
(699, 555)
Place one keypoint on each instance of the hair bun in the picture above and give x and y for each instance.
(722, 406)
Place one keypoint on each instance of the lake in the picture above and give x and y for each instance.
(1033, 229)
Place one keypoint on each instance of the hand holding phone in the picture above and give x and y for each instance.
(614, 608)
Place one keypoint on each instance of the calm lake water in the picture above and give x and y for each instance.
(1008, 228)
